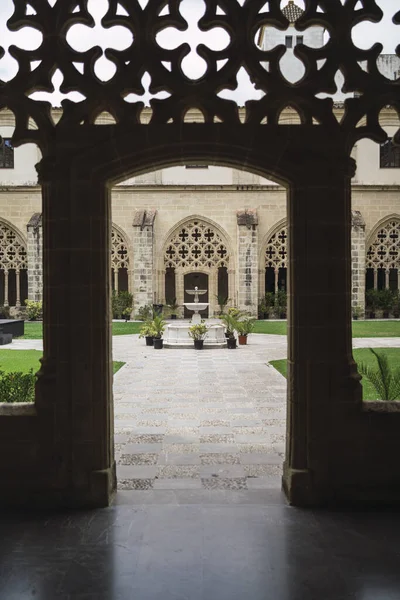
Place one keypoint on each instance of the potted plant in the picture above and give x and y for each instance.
(198, 332)
(126, 313)
(158, 325)
(121, 302)
(357, 312)
(230, 323)
(172, 307)
(372, 302)
(147, 331)
(386, 302)
(266, 306)
(244, 327)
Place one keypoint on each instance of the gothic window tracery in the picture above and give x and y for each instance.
(13, 267)
(196, 245)
(276, 250)
(119, 261)
(384, 252)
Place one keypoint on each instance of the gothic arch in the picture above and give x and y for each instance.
(383, 254)
(273, 259)
(197, 244)
(13, 265)
(120, 259)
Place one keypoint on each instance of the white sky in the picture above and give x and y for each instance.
(83, 38)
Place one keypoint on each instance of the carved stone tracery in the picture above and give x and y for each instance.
(384, 252)
(241, 20)
(119, 251)
(196, 245)
(276, 250)
(12, 250)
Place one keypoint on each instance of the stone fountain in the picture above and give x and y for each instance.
(196, 306)
(177, 334)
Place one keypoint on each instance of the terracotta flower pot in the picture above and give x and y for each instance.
(242, 340)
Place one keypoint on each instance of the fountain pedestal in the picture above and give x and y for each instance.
(177, 336)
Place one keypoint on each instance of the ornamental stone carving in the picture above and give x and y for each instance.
(12, 250)
(197, 244)
(276, 250)
(384, 252)
(119, 251)
(122, 93)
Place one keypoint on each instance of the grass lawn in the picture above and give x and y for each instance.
(34, 330)
(24, 360)
(360, 328)
(360, 355)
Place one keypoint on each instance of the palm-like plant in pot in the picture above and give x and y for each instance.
(230, 323)
(198, 333)
(158, 325)
(244, 327)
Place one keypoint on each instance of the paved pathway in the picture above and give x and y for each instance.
(200, 426)
(199, 420)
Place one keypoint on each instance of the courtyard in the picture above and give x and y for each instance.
(202, 426)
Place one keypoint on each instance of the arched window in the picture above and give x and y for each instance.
(13, 267)
(197, 244)
(194, 247)
(383, 257)
(276, 261)
(119, 262)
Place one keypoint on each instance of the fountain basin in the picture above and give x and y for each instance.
(177, 336)
(196, 306)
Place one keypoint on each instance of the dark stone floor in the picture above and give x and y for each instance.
(193, 552)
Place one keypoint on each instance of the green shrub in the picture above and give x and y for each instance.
(33, 310)
(145, 313)
(17, 387)
(4, 312)
(122, 303)
(385, 380)
(386, 300)
(372, 300)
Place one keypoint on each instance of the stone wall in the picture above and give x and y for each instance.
(247, 261)
(142, 243)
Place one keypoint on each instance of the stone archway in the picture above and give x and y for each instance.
(383, 255)
(13, 267)
(197, 246)
(69, 432)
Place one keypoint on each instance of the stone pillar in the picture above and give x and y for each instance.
(358, 259)
(143, 240)
(74, 388)
(35, 258)
(324, 390)
(247, 221)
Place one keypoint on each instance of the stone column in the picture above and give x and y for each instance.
(35, 258)
(143, 241)
(247, 221)
(324, 389)
(6, 275)
(358, 259)
(74, 389)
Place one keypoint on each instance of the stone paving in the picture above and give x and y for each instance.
(200, 426)
(199, 420)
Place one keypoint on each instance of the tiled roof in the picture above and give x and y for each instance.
(292, 12)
